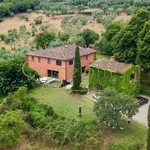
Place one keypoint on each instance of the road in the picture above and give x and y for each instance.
(141, 116)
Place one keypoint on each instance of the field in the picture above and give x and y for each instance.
(52, 22)
(66, 104)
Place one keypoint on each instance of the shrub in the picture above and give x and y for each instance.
(29, 10)
(119, 10)
(7, 39)
(29, 104)
(10, 103)
(44, 109)
(129, 10)
(75, 20)
(1, 19)
(21, 92)
(11, 125)
(43, 27)
(38, 20)
(56, 43)
(2, 36)
(55, 115)
(36, 119)
(68, 131)
(83, 90)
(48, 13)
(84, 20)
(25, 17)
(64, 36)
(12, 14)
(99, 20)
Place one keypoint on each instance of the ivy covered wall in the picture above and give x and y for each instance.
(121, 82)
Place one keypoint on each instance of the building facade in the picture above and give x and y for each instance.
(59, 62)
(120, 76)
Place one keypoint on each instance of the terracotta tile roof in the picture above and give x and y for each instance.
(109, 65)
(62, 52)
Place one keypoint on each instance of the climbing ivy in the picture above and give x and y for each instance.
(121, 82)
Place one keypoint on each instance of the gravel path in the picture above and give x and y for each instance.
(141, 116)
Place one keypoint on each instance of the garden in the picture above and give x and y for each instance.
(44, 117)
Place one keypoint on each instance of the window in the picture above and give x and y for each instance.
(86, 57)
(32, 58)
(39, 59)
(48, 61)
(132, 77)
(70, 62)
(58, 62)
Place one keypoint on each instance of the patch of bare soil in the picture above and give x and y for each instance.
(53, 22)
(123, 17)
(97, 27)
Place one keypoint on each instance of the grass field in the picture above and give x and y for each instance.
(53, 22)
(100, 56)
(67, 105)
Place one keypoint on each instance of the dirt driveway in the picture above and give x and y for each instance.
(141, 116)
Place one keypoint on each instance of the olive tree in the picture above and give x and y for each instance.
(113, 106)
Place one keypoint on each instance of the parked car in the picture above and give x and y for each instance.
(96, 96)
(142, 100)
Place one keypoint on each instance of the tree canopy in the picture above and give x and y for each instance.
(106, 40)
(112, 106)
(77, 71)
(143, 54)
(14, 73)
(89, 37)
(124, 43)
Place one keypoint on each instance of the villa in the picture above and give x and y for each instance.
(58, 62)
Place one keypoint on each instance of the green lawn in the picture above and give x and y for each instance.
(67, 105)
(64, 103)
(85, 81)
(135, 134)
(100, 56)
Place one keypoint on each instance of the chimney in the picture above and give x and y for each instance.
(112, 58)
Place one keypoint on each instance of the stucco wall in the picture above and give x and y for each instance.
(84, 62)
(42, 67)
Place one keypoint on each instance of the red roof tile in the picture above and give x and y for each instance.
(113, 66)
(62, 52)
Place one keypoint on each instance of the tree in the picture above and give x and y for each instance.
(113, 106)
(11, 125)
(148, 134)
(106, 40)
(89, 36)
(124, 42)
(14, 74)
(64, 36)
(77, 71)
(43, 40)
(143, 54)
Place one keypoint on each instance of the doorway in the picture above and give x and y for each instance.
(53, 74)
(83, 69)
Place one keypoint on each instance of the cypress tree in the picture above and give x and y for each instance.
(148, 133)
(77, 71)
